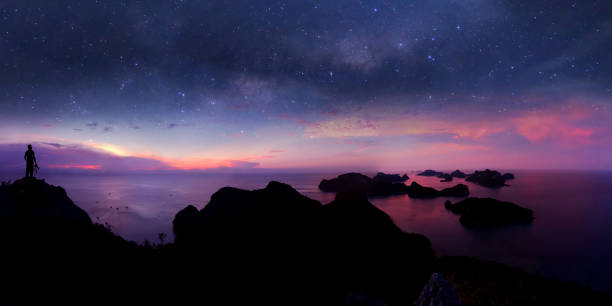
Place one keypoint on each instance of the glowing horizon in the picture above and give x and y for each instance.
(383, 86)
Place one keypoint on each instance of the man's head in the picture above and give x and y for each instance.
(29, 147)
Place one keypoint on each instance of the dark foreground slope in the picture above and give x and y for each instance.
(481, 283)
(270, 246)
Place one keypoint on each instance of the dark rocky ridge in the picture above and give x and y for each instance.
(359, 183)
(488, 212)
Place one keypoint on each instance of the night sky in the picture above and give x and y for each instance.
(355, 85)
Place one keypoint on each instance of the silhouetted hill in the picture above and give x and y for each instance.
(344, 248)
(52, 251)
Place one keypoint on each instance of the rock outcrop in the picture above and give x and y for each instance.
(488, 212)
(32, 198)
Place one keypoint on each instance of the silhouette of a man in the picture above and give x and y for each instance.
(30, 159)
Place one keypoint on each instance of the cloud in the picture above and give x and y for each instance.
(92, 125)
(57, 145)
(172, 125)
(75, 166)
(571, 124)
(76, 157)
(242, 164)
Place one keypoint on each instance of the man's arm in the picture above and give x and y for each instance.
(25, 156)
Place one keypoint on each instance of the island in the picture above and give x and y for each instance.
(446, 177)
(489, 178)
(489, 212)
(359, 183)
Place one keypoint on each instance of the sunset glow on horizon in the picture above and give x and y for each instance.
(387, 86)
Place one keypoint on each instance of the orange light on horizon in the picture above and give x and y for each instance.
(75, 166)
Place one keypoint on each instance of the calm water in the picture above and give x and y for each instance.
(570, 238)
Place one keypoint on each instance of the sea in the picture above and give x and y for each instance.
(570, 238)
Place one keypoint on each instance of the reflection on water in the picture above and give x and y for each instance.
(569, 239)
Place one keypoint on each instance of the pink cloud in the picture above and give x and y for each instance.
(75, 166)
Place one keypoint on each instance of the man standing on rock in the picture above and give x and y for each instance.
(30, 161)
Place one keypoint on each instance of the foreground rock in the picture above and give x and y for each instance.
(327, 254)
(46, 237)
(488, 212)
(438, 291)
(359, 183)
(487, 178)
(32, 198)
(481, 283)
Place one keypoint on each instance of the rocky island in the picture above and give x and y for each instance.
(357, 182)
(488, 212)
(489, 178)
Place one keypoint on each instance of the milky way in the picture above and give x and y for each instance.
(377, 85)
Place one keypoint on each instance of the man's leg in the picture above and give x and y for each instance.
(30, 172)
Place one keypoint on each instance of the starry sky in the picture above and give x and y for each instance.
(306, 85)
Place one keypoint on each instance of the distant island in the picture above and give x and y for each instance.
(270, 246)
(357, 182)
(488, 212)
(487, 178)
